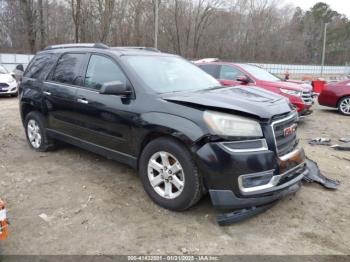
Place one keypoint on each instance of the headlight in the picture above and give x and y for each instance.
(11, 80)
(231, 125)
(291, 92)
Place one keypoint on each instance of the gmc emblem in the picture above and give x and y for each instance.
(289, 130)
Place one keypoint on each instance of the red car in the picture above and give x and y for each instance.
(336, 95)
(230, 74)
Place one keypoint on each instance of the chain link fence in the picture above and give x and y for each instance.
(10, 61)
(298, 71)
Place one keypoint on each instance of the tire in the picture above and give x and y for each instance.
(344, 105)
(184, 176)
(35, 128)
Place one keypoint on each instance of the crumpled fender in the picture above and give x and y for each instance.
(179, 127)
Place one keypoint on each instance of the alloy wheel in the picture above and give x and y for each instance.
(345, 106)
(166, 175)
(34, 133)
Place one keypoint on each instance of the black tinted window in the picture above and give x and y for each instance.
(212, 70)
(102, 70)
(41, 66)
(68, 69)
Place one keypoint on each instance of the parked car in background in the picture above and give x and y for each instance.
(304, 84)
(184, 133)
(231, 74)
(336, 95)
(8, 83)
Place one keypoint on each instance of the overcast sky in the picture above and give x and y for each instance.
(341, 6)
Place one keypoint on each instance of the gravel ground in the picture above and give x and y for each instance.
(98, 206)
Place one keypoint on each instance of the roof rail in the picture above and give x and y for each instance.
(206, 60)
(143, 48)
(82, 45)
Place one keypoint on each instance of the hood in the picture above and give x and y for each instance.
(5, 78)
(303, 84)
(283, 84)
(248, 100)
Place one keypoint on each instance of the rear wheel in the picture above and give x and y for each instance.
(344, 105)
(169, 175)
(36, 133)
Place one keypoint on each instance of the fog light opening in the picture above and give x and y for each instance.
(249, 181)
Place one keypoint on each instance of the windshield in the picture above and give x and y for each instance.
(166, 74)
(3, 70)
(260, 73)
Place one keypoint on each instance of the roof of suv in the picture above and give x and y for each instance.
(120, 50)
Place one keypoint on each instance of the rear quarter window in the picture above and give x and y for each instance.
(40, 66)
(212, 70)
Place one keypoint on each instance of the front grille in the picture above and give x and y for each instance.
(285, 141)
(307, 97)
(3, 85)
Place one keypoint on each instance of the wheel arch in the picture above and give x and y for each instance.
(342, 97)
(178, 128)
(25, 109)
(151, 136)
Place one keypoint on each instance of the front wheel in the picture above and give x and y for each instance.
(344, 105)
(169, 175)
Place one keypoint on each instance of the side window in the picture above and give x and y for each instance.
(102, 70)
(68, 69)
(212, 70)
(41, 66)
(230, 73)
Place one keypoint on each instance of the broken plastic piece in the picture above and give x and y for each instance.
(314, 175)
(341, 147)
(320, 141)
(45, 217)
(242, 214)
(345, 139)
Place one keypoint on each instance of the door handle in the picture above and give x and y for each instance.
(82, 101)
(47, 93)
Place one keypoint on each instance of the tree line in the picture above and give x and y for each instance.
(239, 30)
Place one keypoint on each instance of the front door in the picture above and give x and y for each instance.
(228, 75)
(104, 120)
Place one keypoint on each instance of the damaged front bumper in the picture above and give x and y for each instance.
(226, 199)
(239, 179)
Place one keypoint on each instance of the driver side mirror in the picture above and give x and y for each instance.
(115, 88)
(243, 79)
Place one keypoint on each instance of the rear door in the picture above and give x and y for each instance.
(60, 90)
(33, 81)
(104, 120)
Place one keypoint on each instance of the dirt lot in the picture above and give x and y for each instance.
(98, 206)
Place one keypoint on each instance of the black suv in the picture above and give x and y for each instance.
(164, 116)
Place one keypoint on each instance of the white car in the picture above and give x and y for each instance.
(8, 84)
